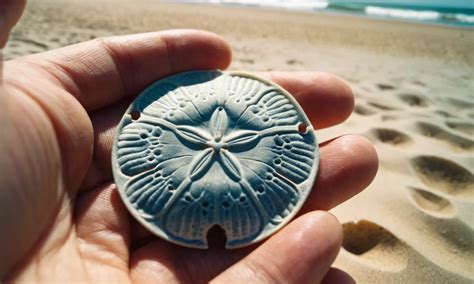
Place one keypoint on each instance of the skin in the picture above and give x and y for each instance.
(60, 213)
(10, 12)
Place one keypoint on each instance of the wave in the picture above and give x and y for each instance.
(424, 15)
(458, 16)
(469, 19)
(281, 4)
(402, 13)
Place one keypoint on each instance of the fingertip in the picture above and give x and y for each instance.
(367, 159)
(215, 52)
(328, 229)
(348, 164)
(325, 98)
(302, 252)
(342, 97)
(336, 275)
(10, 12)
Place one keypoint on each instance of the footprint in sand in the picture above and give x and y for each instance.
(463, 104)
(294, 62)
(443, 113)
(436, 132)
(444, 175)
(363, 110)
(381, 106)
(385, 87)
(464, 127)
(389, 117)
(441, 217)
(414, 100)
(432, 203)
(374, 245)
(419, 83)
(246, 60)
(391, 136)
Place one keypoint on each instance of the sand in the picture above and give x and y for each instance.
(414, 87)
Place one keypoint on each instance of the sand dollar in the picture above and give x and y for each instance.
(207, 148)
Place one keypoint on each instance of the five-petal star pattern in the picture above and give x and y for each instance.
(212, 148)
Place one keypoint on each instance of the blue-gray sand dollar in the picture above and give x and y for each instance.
(206, 148)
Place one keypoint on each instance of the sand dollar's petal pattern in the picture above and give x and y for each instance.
(191, 216)
(239, 140)
(151, 191)
(139, 148)
(192, 135)
(240, 216)
(231, 165)
(257, 106)
(275, 168)
(290, 155)
(218, 123)
(178, 103)
(215, 149)
(198, 209)
(156, 162)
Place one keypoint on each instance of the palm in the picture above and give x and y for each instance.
(66, 104)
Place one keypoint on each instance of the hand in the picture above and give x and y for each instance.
(60, 213)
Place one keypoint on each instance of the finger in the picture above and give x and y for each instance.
(102, 228)
(10, 12)
(348, 164)
(302, 252)
(325, 98)
(338, 276)
(161, 261)
(103, 71)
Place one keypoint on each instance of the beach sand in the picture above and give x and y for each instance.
(414, 88)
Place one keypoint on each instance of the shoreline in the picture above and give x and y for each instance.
(330, 12)
(380, 36)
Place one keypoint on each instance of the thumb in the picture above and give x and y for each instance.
(10, 12)
(302, 252)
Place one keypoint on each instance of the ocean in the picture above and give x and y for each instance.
(444, 12)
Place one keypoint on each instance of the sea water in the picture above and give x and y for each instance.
(445, 12)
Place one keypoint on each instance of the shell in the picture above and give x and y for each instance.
(207, 148)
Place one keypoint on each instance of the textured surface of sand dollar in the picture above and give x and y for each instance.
(207, 148)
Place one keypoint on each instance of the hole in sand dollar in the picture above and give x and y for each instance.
(374, 245)
(390, 136)
(135, 114)
(432, 203)
(453, 140)
(363, 110)
(444, 175)
(302, 128)
(216, 237)
(464, 127)
(414, 100)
